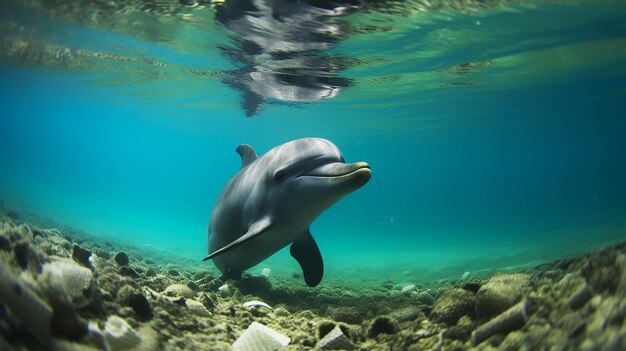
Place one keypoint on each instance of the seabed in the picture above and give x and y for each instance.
(62, 289)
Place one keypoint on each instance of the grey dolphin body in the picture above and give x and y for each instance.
(273, 199)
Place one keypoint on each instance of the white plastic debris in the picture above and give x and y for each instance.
(254, 303)
(260, 338)
(335, 340)
(409, 288)
(224, 290)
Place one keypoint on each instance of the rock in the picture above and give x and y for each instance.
(260, 338)
(26, 256)
(382, 325)
(405, 314)
(335, 340)
(133, 298)
(82, 256)
(197, 308)
(119, 334)
(452, 305)
(67, 285)
(129, 272)
(122, 258)
(178, 290)
(279, 311)
(424, 297)
(5, 243)
(509, 320)
(74, 280)
(173, 272)
(347, 314)
(33, 313)
(500, 292)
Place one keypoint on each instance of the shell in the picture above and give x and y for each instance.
(254, 303)
(119, 334)
(335, 340)
(260, 338)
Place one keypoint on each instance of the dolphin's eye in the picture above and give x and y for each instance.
(280, 176)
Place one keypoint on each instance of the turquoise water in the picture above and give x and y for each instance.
(496, 134)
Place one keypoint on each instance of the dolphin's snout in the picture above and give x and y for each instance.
(337, 169)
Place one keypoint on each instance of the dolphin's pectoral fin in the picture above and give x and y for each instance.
(256, 229)
(247, 153)
(304, 249)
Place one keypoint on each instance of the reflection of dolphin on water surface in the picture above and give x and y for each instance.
(279, 44)
(271, 202)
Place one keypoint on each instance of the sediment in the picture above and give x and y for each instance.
(62, 290)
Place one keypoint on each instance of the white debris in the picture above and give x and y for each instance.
(260, 338)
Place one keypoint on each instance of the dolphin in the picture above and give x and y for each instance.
(272, 201)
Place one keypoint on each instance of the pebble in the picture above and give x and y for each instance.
(178, 290)
(500, 293)
(122, 258)
(129, 272)
(82, 256)
(197, 308)
(452, 305)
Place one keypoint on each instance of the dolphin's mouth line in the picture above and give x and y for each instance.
(359, 168)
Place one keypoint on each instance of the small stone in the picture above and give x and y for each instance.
(178, 290)
(452, 305)
(279, 311)
(129, 272)
(119, 334)
(82, 256)
(197, 308)
(500, 292)
(122, 258)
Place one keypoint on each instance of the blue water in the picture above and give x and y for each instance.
(514, 161)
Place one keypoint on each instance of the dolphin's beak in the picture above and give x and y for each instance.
(338, 169)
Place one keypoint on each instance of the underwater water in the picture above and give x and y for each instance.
(495, 130)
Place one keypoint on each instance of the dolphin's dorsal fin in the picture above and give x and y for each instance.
(247, 153)
(255, 229)
(304, 249)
